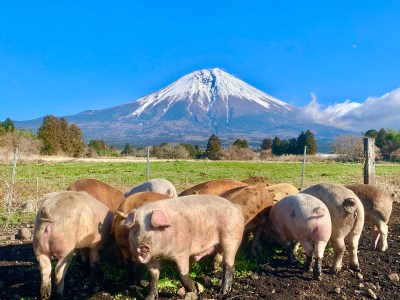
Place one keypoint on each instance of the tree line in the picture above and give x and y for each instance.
(56, 136)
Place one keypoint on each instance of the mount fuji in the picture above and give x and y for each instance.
(190, 110)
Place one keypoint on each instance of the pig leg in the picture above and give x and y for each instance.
(290, 253)
(353, 239)
(154, 270)
(183, 267)
(308, 248)
(319, 248)
(375, 237)
(61, 270)
(383, 229)
(45, 271)
(338, 251)
(94, 265)
(229, 249)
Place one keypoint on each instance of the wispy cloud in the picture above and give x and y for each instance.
(373, 113)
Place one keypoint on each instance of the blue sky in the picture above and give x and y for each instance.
(63, 58)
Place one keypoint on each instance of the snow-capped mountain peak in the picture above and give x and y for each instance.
(202, 89)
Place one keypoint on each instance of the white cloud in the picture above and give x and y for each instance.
(373, 113)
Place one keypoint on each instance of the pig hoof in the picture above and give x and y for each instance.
(45, 292)
(335, 270)
(151, 297)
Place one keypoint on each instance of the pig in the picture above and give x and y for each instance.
(253, 180)
(303, 218)
(112, 198)
(281, 190)
(121, 234)
(347, 215)
(378, 208)
(213, 187)
(103, 192)
(66, 221)
(253, 200)
(157, 185)
(178, 229)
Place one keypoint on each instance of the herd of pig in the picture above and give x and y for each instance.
(151, 223)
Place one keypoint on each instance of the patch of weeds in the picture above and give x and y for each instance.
(244, 265)
(168, 285)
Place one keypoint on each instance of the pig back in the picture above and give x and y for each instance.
(345, 208)
(103, 192)
(213, 187)
(76, 219)
(251, 199)
(374, 200)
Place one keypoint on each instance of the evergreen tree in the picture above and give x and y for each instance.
(279, 147)
(372, 133)
(266, 144)
(8, 125)
(381, 138)
(127, 150)
(306, 139)
(213, 149)
(76, 140)
(98, 145)
(49, 134)
(241, 143)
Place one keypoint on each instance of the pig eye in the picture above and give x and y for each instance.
(135, 227)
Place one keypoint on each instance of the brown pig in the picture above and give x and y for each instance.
(253, 180)
(255, 202)
(281, 190)
(103, 192)
(213, 187)
(347, 215)
(378, 208)
(186, 227)
(121, 233)
(67, 221)
(305, 219)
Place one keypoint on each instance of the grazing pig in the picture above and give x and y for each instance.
(347, 215)
(121, 234)
(67, 221)
(305, 219)
(179, 228)
(103, 192)
(157, 185)
(378, 208)
(213, 187)
(255, 202)
(281, 190)
(253, 180)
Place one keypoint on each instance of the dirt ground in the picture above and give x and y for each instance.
(275, 279)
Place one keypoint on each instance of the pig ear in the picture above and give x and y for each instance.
(130, 219)
(159, 219)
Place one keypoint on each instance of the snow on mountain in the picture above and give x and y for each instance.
(202, 89)
(191, 109)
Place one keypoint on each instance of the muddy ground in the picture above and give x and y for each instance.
(274, 279)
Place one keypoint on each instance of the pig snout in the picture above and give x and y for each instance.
(142, 253)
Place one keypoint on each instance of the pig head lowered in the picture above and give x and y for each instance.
(179, 228)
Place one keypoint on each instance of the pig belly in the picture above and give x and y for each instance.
(206, 252)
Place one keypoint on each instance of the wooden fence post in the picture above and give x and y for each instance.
(303, 167)
(11, 188)
(148, 164)
(369, 163)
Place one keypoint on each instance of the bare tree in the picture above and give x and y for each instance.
(348, 147)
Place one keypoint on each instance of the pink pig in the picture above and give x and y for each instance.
(185, 227)
(305, 219)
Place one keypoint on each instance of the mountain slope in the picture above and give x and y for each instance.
(190, 110)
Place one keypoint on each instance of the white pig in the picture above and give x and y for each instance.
(305, 219)
(67, 221)
(186, 227)
(347, 215)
